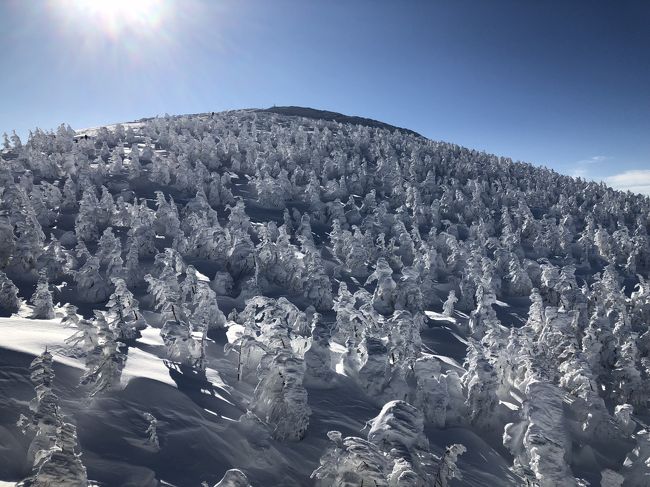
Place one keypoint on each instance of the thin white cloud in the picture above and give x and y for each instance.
(592, 160)
(637, 181)
(580, 168)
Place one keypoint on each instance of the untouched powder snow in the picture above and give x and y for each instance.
(33, 336)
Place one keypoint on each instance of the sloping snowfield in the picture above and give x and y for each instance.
(199, 427)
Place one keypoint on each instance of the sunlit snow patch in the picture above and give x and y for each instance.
(448, 361)
(202, 277)
(235, 330)
(151, 336)
(32, 336)
(509, 405)
(144, 364)
(439, 316)
(215, 379)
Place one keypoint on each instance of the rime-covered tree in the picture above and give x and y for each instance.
(123, 314)
(280, 400)
(42, 299)
(91, 286)
(206, 312)
(86, 221)
(9, 302)
(448, 305)
(105, 363)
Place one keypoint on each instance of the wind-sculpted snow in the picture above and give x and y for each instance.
(229, 298)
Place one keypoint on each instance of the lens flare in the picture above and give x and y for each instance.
(112, 18)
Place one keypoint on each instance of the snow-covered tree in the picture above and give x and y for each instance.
(9, 302)
(91, 286)
(481, 381)
(152, 431)
(42, 299)
(123, 315)
(280, 400)
(206, 309)
(109, 253)
(86, 226)
(104, 365)
(447, 469)
(448, 305)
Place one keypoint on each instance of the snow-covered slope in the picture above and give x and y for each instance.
(295, 297)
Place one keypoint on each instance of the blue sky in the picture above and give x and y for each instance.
(560, 83)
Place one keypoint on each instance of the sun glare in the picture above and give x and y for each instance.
(113, 18)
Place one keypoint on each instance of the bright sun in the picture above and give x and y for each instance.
(114, 18)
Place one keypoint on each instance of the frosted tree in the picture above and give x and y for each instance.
(109, 253)
(481, 382)
(189, 284)
(280, 400)
(7, 240)
(356, 254)
(352, 461)
(56, 261)
(123, 311)
(448, 305)
(91, 286)
(347, 325)
(132, 272)
(318, 361)
(42, 299)
(518, 282)
(105, 364)
(86, 221)
(29, 240)
(106, 208)
(398, 426)
(431, 394)
(177, 330)
(142, 234)
(540, 441)
(383, 299)
(483, 318)
(369, 365)
(61, 464)
(628, 383)
(69, 201)
(447, 469)
(165, 291)
(134, 166)
(316, 283)
(9, 302)
(206, 312)
(152, 431)
(167, 218)
(44, 410)
(409, 294)
(182, 346)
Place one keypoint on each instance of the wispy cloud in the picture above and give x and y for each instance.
(592, 160)
(637, 181)
(580, 167)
